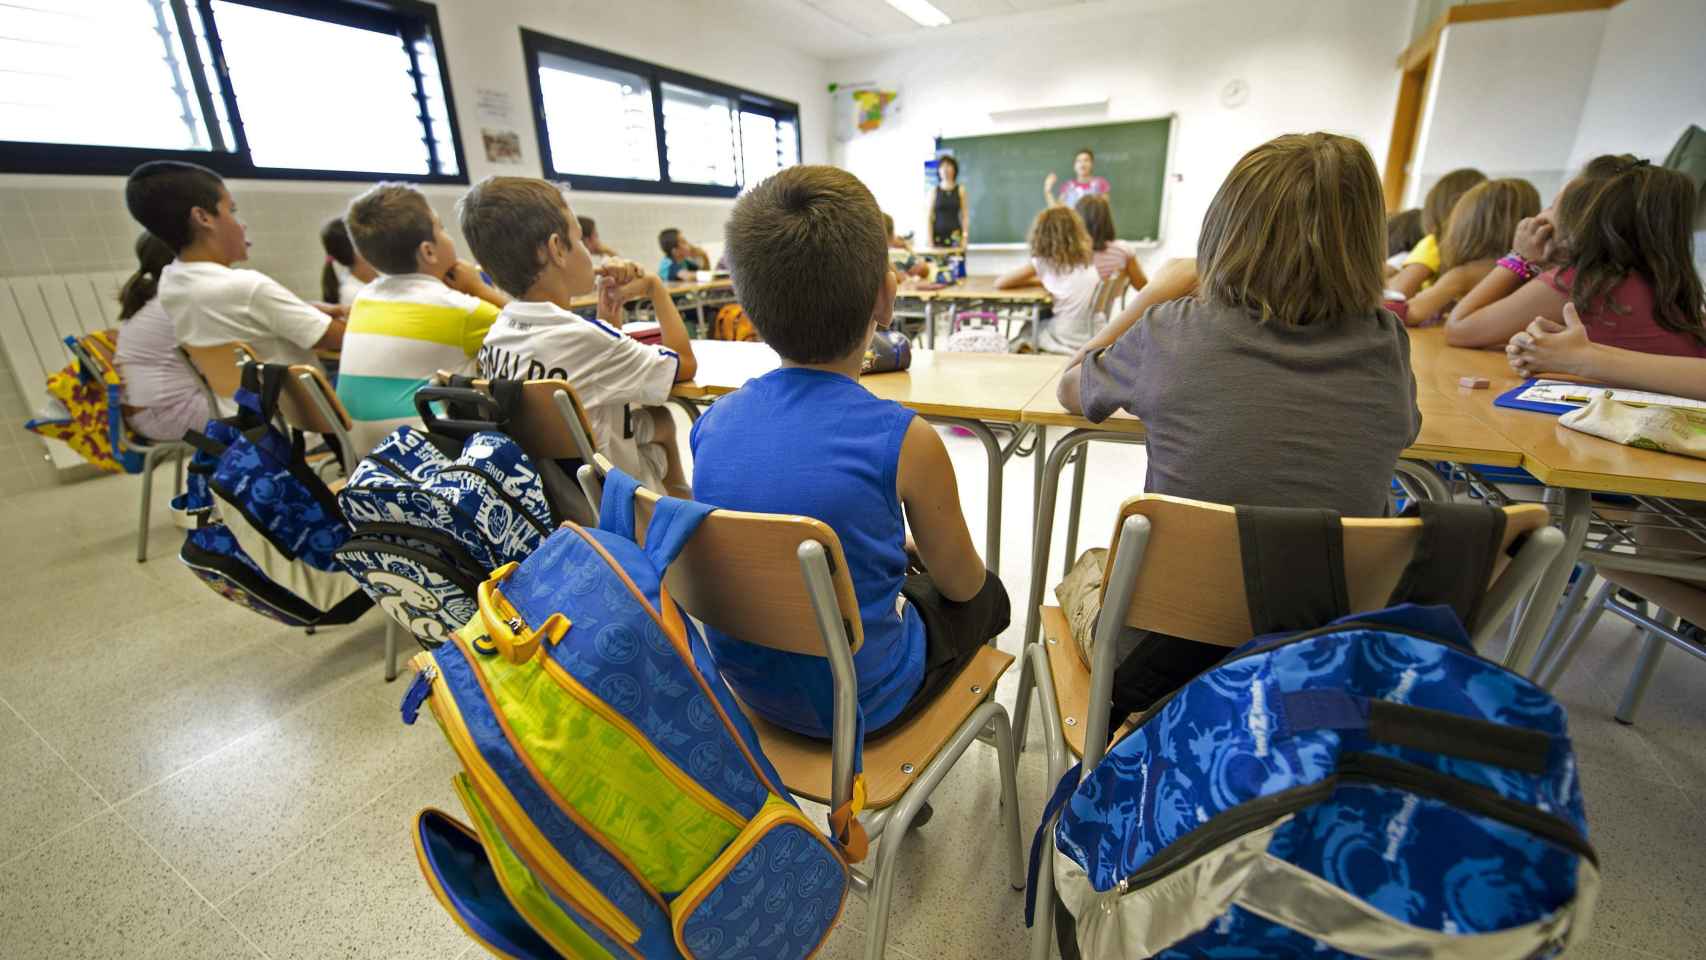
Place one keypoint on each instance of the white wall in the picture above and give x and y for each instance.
(1648, 83)
(59, 224)
(1310, 65)
(1506, 96)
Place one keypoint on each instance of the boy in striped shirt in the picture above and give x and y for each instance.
(427, 311)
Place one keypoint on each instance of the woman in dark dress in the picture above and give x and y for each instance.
(950, 215)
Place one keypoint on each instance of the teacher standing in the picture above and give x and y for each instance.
(950, 214)
(1084, 183)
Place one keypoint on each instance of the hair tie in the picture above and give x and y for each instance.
(328, 258)
(1632, 165)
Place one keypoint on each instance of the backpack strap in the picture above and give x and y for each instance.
(1454, 559)
(1294, 567)
(672, 525)
(1418, 728)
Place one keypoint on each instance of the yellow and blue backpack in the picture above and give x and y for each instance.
(620, 803)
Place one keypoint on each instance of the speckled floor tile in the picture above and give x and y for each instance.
(238, 813)
(95, 893)
(1650, 896)
(357, 892)
(214, 938)
(1597, 949)
(12, 726)
(45, 797)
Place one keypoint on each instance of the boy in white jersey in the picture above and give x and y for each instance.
(189, 208)
(427, 311)
(522, 231)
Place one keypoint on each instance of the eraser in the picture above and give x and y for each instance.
(1473, 383)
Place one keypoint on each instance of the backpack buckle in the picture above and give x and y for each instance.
(508, 632)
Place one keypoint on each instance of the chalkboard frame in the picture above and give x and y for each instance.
(945, 142)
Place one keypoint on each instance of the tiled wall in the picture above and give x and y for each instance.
(78, 225)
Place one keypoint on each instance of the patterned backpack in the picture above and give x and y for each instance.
(1369, 788)
(731, 323)
(89, 413)
(620, 803)
(434, 511)
(267, 527)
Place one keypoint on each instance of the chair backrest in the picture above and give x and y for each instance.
(221, 365)
(1191, 580)
(1108, 292)
(543, 426)
(309, 403)
(772, 607)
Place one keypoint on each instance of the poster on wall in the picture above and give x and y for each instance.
(496, 112)
(862, 108)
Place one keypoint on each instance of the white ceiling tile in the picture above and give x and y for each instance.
(1041, 4)
(963, 10)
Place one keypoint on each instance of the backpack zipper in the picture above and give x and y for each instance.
(1358, 768)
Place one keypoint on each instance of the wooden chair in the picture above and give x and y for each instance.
(220, 366)
(308, 403)
(1108, 293)
(551, 424)
(1175, 567)
(807, 606)
(154, 453)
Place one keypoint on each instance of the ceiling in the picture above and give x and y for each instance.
(833, 29)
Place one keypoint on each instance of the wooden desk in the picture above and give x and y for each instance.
(677, 288)
(970, 390)
(981, 289)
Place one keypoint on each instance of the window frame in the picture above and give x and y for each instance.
(534, 43)
(19, 156)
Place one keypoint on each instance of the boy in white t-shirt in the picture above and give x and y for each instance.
(189, 208)
(522, 231)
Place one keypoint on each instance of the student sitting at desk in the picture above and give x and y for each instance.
(1478, 231)
(1111, 257)
(1564, 348)
(524, 233)
(1421, 265)
(1620, 247)
(600, 252)
(345, 271)
(1265, 372)
(428, 311)
(808, 439)
(1062, 262)
(909, 265)
(679, 256)
(210, 303)
(163, 397)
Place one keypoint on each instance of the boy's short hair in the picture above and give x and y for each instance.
(1085, 151)
(1297, 233)
(1443, 195)
(888, 224)
(507, 222)
(589, 227)
(388, 223)
(161, 193)
(668, 240)
(807, 254)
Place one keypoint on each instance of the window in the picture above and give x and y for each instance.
(608, 122)
(252, 88)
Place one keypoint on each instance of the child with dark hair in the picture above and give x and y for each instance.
(589, 235)
(1618, 245)
(524, 233)
(1480, 229)
(210, 303)
(680, 257)
(1109, 256)
(427, 311)
(808, 252)
(346, 271)
(1403, 231)
(163, 397)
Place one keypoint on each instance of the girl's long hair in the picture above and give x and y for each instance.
(1484, 221)
(152, 255)
(334, 237)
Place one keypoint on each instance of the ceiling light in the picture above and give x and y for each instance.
(922, 12)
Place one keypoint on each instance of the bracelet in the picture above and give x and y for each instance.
(1519, 265)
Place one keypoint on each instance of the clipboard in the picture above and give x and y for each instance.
(1512, 399)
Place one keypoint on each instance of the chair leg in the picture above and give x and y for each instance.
(1651, 652)
(1081, 466)
(1553, 671)
(1006, 759)
(391, 631)
(1570, 606)
(178, 472)
(148, 463)
(1042, 925)
(896, 831)
(1022, 698)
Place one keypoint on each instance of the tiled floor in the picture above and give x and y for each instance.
(192, 781)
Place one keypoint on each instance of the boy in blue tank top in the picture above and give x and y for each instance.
(809, 257)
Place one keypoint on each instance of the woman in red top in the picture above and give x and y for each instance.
(1619, 239)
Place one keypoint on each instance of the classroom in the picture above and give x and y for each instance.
(923, 479)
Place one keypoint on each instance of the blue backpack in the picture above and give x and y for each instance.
(1369, 788)
(270, 545)
(435, 511)
(620, 804)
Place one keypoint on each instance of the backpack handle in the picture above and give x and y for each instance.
(491, 412)
(517, 642)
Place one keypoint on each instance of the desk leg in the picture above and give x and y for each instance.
(1543, 603)
(991, 448)
(1036, 326)
(930, 324)
(1080, 466)
(1040, 453)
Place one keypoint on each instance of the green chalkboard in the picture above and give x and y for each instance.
(1003, 174)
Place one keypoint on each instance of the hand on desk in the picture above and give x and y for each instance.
(1549, 347)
